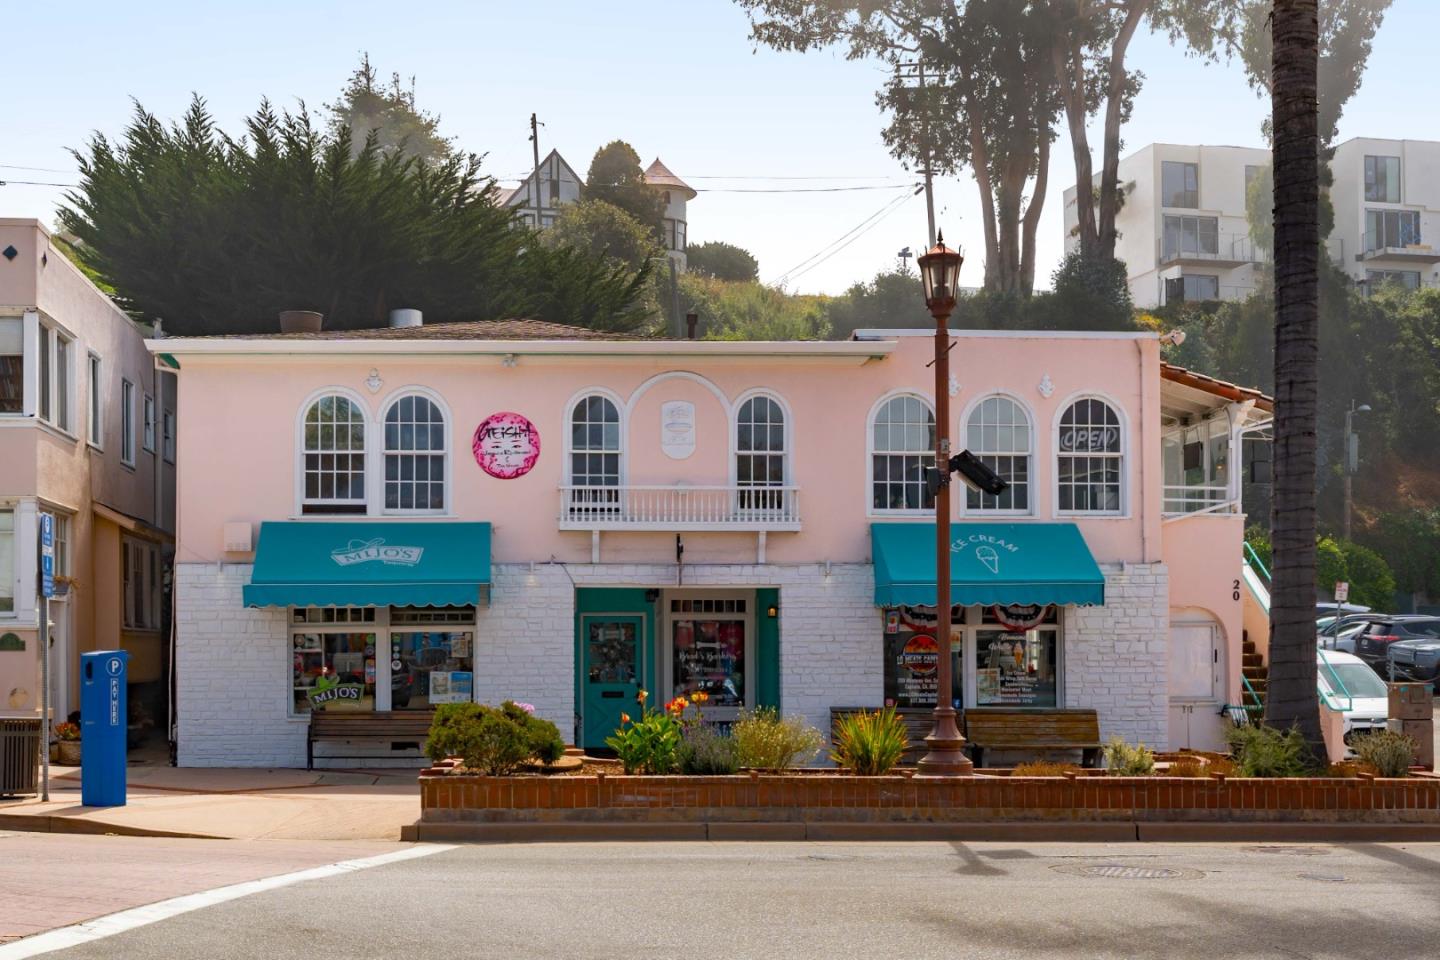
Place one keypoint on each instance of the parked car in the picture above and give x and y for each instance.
(1417, 659)
(1356, 689)
(1373, 642)
(1338, 633)
(1327, 608)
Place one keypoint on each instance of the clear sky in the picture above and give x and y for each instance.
(676, 78)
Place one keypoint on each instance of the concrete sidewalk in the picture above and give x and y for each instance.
(248, 804)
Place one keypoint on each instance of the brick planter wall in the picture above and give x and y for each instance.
(790, 798)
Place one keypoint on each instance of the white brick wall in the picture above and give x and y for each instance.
(1116, 655)
(232, 672)
(233, 668)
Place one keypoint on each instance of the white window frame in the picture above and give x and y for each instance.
(96, 409)
(1124, 457)
(127, 422)
(1032, 481)
(147, 424)
(54, 401)
(167, 435)
(25, 364)
(447, 488)
(62, 540)
(370, 472)
(787, 440)
(1372, 160)
(927, 513)
(12, 584)
(568, 429)
(1164, 199)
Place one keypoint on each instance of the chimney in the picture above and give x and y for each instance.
(690, 321)
(406, 318)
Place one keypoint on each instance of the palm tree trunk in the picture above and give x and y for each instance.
(1292, 700)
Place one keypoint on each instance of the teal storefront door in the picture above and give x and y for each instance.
(610, 674)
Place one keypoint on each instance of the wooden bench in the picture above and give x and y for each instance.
(918, 722)
(1033, 729)
(400, 731)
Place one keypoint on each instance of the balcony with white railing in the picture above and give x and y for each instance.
(680, 507)
(1186, 499)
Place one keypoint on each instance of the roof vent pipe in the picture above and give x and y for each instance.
(690, 322)
(406, 318)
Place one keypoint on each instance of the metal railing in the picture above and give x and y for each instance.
(1218, 248)
(1254, 560)
(1185, 499)
(1331, 697)
(679, 507)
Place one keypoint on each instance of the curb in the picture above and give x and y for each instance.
(47, 823)
(1125, 831)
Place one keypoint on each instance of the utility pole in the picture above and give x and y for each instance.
(535, 126)
(917, 71)
(1351, 464)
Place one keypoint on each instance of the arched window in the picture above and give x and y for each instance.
(998, 432)
(902, 445)
(594, 455)
(415, 448)
(760, 453)
(333, 446)
(1090, 455)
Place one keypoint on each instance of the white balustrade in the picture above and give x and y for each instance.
(679, 507)
(1182, 500)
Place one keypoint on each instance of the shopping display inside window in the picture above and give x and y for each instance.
(333, 671)
(1015, 657)
(912, 657)
(430, 667)
(709, 658)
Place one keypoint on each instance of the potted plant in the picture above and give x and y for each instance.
(68, 749)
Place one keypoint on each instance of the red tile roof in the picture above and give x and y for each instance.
(1212, 385)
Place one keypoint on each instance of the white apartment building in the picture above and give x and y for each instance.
(1386, 196)
(1183, 231)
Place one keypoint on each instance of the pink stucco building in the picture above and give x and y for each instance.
(388, 519)
(87, 429)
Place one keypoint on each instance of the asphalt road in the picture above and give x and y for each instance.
(833, 900)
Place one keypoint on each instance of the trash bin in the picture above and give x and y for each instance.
(20, 756)
(103, 723)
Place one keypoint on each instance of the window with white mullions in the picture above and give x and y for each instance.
(1090, 458)
(334, 452)
(415, 449)
(998, 432)
(902, 449)
(595, 456)
(760, 454)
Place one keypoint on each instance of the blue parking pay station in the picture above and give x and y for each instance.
(104, 719)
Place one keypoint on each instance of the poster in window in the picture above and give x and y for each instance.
(710, 657)
(1015, 668)
(912, 659)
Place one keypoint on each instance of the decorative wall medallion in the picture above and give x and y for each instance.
(954, 385)
(1046, 386)
(506, 445)
(677, 429)
(373, 382)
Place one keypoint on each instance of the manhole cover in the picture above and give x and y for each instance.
(1325, 877)
(1291, 851)
(1115, 871)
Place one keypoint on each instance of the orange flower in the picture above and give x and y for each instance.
(641, 697)
(699, 696)
(624, 719)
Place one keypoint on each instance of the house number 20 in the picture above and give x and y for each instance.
(1235, 590)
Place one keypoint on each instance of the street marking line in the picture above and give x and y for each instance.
(114, 923)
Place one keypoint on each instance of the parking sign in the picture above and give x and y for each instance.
(47, 555)
(1342, 591)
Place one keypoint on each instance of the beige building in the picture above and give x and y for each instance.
(1386, 196)
(87, 434)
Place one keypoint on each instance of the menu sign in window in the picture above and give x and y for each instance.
(1015, 668)
(912, 661)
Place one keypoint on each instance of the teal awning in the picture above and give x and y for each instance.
(990, 563)
(370, 564)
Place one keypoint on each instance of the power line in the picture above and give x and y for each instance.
(887, 186)
(36, 183)
(15, 166)
(842, 241)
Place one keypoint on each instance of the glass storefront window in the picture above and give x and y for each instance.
(430, 667)
(1016, 667)
(911, 664)
(709, 656)
(333, 671)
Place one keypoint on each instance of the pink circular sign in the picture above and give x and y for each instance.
(506, 445)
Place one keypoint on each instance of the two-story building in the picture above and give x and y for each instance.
(386, 520)
(87, 435)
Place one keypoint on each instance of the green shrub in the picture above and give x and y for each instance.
(492, 740)
(647, 745)
(1123, 760)
(767, 741)
(1388, 752)
(1267, 752)
(704, 751)
(869, 743)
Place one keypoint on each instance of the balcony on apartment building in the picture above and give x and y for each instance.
(680, 507)
(1395, 235)
(1197, 241)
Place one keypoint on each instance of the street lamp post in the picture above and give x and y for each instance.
(940, 274)
(1350, 463)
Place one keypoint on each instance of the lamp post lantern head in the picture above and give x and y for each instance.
(940, 273)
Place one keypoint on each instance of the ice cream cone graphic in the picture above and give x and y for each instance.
(989, 557)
